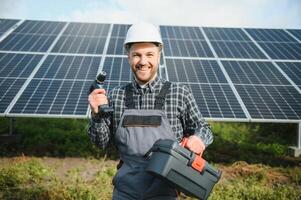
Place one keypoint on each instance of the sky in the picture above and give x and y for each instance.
(212, 13)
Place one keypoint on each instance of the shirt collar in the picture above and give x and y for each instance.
(149, 87)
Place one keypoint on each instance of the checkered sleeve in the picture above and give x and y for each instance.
(193, 121)
(99, 131)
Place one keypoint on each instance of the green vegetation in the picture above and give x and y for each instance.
(55, 160)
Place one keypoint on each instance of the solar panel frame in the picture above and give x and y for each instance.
(6, 24)
(296, 33)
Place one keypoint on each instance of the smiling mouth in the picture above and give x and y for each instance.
(142, 68)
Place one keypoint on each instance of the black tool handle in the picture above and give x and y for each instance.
(104, 109)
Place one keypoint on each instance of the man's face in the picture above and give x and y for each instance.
(144, 59)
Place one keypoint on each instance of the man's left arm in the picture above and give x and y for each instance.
(199, 131)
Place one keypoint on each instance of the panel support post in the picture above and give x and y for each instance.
(11, 126)
(296, 150)
(10, 137)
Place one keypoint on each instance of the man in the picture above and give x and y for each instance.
(147, 109)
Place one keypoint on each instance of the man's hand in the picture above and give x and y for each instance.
(195, 144)
(96, 98)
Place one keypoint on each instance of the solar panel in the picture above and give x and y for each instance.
(216, 101)
(40, 27)
(250, 72)
(17, 65)
(118, 69)
(69, 67)
(9, 88)
(184, 42)
(53, 97)
(230, 49)
(194, 71)
(293, 70)
(183, 32)
(277, 43)
(266, 93)
(232, 43)
(226, 34)
(14, 69)
(83, 38)
(291, 51)
(32, 36)
(296, 33)
(271, 102)
(30, 43)
(234, 73)
(117, 38)
(270, 35)
(6, 24)
(59, 87)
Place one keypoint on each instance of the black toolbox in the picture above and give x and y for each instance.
(173, 163)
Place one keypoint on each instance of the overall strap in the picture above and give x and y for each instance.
(129, 96)
(159, 102)
(160, 99)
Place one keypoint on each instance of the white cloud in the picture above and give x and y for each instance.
(227, 13)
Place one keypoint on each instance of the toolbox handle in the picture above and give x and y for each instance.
(196, 162)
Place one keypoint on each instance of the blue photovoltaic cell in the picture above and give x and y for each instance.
(116, 46)
(194, 71)
(186, 48)
(184, 42)
(282, 50)
(296, 33)
(216, 101)
(40, 27)
(117, 39)
(271, 102)
(18, 65)
(9, 88)
(120, 30)
(293, 70)
(83, 38)
(69, 67)
(270, 35)
(27, 42)
(226, 34)
(118, 69)
(6, 24)
(80, 44)
(57, 97)
(87, 29)
(250, 72)
(32, 36)
(277, 43)
(232, 49)
(181, 32)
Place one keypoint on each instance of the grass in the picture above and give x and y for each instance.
(55, 160)
(34, 178)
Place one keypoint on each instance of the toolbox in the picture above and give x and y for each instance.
(183, 169)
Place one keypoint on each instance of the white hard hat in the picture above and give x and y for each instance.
(143, 32)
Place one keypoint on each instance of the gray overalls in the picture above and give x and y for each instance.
(136, 133)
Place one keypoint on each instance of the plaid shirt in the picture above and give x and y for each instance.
(180, 108)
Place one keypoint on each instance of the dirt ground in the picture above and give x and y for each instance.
(89, 167)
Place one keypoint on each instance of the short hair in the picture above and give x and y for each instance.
(129, 45)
